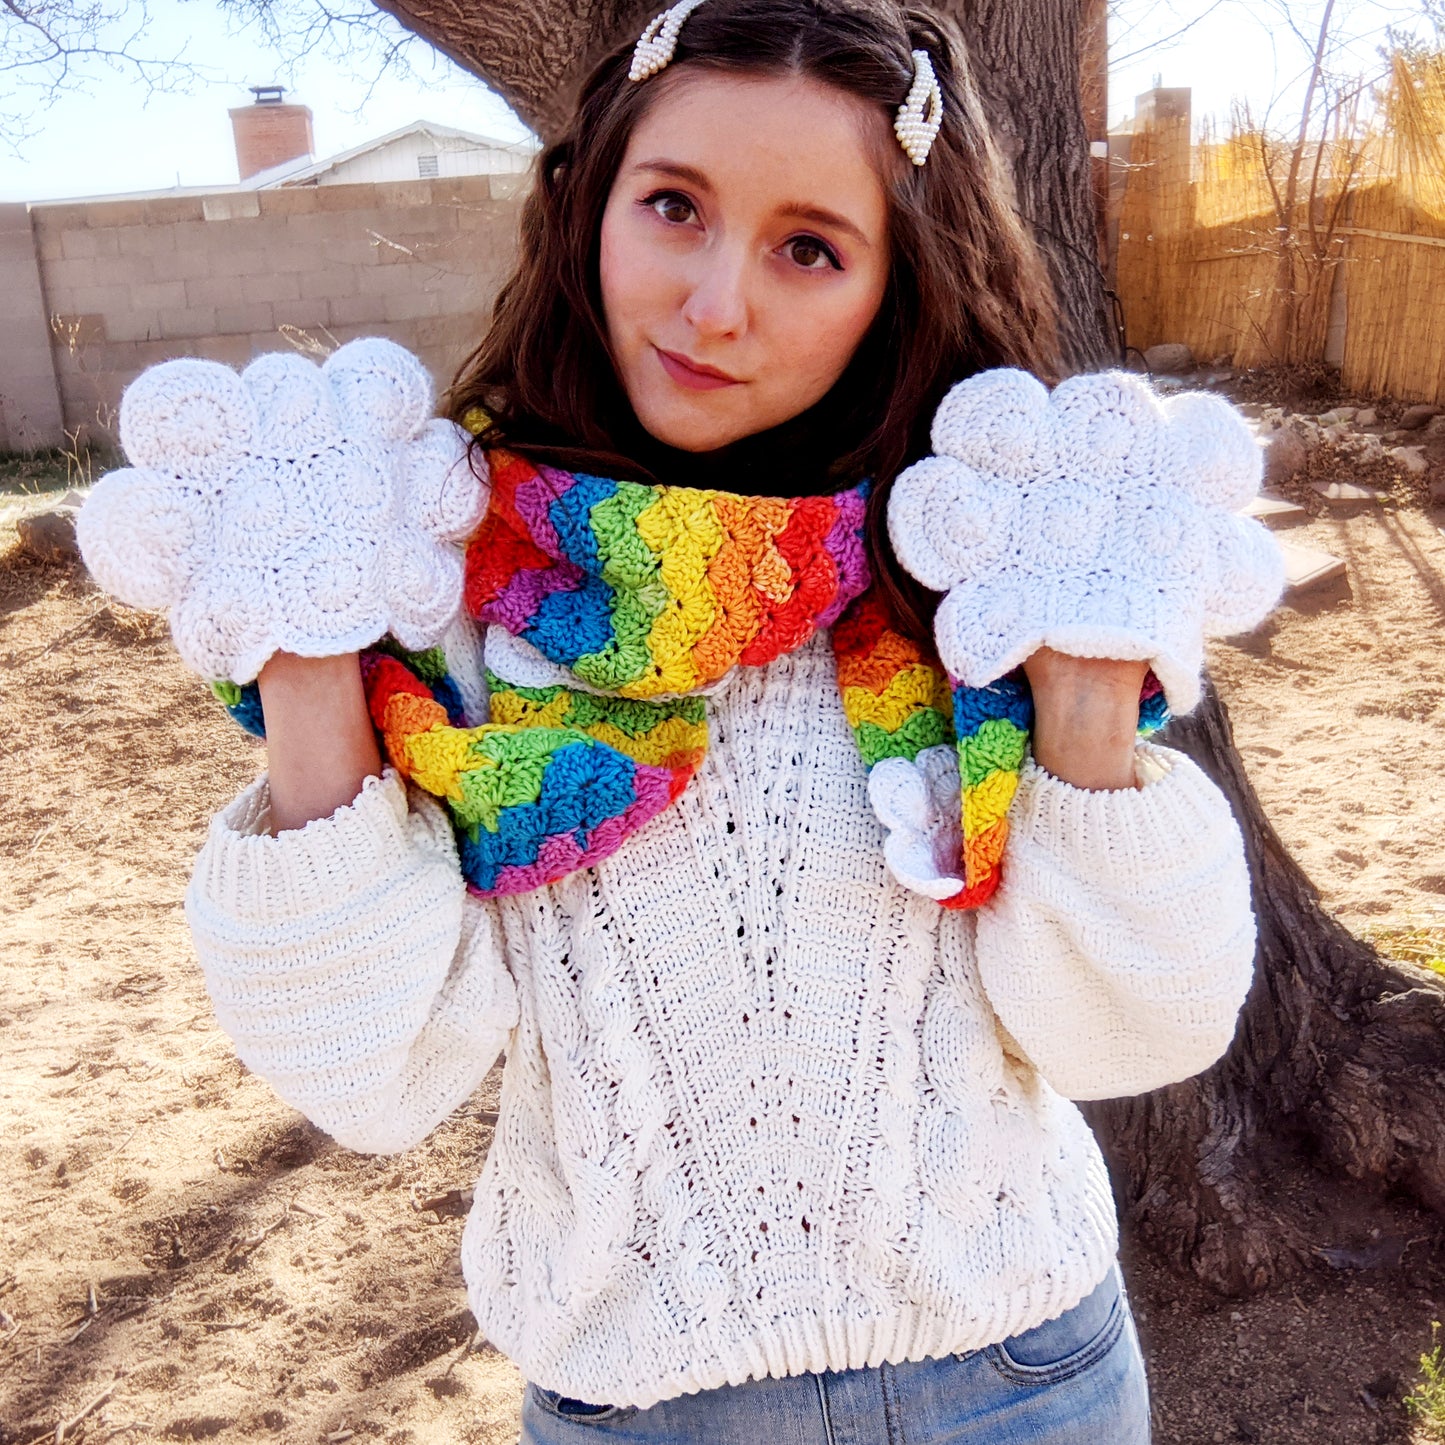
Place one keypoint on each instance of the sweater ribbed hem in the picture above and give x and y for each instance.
(255, 877)
(1124, 831)
(823, 1339)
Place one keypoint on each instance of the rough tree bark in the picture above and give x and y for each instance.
(1339, 1058)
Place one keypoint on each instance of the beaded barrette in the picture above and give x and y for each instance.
(916, 124)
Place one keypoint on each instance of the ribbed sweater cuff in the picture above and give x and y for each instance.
(249, 875)
(1131, 832)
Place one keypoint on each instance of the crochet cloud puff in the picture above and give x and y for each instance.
(298, 507)
(1099, 520)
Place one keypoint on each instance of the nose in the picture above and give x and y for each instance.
(717, 303)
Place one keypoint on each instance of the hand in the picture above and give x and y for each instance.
(1098, 520)
(292, 508)
(1086, 717)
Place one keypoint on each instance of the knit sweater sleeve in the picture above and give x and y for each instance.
(1120, 947)
(348, 964)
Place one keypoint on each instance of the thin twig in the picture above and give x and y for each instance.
(65, 1426)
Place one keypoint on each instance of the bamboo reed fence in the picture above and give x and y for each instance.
(1356, 277)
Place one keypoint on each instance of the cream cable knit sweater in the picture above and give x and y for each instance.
(764, 1111)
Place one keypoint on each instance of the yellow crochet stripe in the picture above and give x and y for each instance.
(435, 759)
(664, 742)
(683, 531)
(988, 802)
(513, 708)
(911, 688)
(669, 738)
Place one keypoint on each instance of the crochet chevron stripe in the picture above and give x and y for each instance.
(644, 594)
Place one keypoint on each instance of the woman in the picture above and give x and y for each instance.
(785, 1151)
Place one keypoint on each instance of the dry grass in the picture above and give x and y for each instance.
(1422, 944)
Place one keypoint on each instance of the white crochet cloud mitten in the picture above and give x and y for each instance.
(298, 507)
(1099, 520)
(918, 804)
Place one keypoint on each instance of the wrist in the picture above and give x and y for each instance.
(1086, 720)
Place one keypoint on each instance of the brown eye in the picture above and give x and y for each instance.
(808, 251)
(671, 207)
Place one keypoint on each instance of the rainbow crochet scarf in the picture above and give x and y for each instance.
(642, 595)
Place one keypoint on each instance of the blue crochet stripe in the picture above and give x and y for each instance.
(243, 701)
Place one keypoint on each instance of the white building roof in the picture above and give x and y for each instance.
(304, 169)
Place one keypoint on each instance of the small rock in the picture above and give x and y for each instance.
(1435, 427)
(1169, 357)
(1345, 413)
(1254, 410)
(1344, 494)
(1367, 417)
(1224, 359)
(1416, 416)
(49, 536)
(1284, 454)
(1412, 459)
(1328, 418)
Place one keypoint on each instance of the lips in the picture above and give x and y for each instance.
(693, 375)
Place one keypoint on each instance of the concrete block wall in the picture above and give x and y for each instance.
(30, 414)
(131, 282)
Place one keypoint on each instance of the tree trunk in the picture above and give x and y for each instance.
(1339, 1057)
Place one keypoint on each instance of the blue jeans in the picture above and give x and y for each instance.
(1075, 1380)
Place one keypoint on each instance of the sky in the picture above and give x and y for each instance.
(107, 134)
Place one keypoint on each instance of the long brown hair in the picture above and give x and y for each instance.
(966, 290)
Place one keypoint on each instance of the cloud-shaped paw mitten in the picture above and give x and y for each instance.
(1098, 520)
(918, 803)
(294, 507)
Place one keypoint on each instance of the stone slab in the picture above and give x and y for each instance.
(1345, 494)
(1306, 567)
(1267, 507)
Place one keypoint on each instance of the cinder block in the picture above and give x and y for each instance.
(64, 216)
(159, 295)
(114, 214)
(189, 265)
(263, 287)
(102, 299)
(85, 245)
(233, 350)
(314, 311)
(188, 321)
(164, 210)
(287, 201)
(356, 310)
(214, 291)
(332, 283)
(253, 316)
(410, 305)
(145, 240)
(231, 206)
(136, 324)
(195, 235)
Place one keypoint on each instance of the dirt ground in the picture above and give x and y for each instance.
(178, 1245)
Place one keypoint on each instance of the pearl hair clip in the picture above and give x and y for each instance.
(919, 117)
(921, 114)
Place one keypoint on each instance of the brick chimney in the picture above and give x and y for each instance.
(270, 131)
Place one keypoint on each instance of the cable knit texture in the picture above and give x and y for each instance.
(764, 1110)
(293, 507)
(1097, 520)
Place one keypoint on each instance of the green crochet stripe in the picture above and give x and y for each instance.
(634, 718)
(926, 728)
(997, 746)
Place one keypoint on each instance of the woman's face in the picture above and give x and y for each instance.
(744, 253)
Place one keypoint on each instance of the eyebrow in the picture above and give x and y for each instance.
(804, 211)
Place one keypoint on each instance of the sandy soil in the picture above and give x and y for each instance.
(172, 1234)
